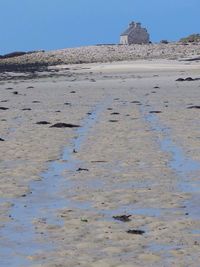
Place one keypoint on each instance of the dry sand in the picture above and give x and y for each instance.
(128, 162)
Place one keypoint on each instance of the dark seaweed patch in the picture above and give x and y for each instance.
(135, 232)
(122, 218)
(64, 125)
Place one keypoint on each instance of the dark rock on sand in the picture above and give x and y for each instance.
(15, 93)
(136, 102)
(64, 125)
(155, 112)
(122, 218)
(194, 107)
(3, 108)
(43, 122)
(4, 101)
(113, 120)
(188, 79)
(135, 232)
(30, 87)
(35, 101)
(180, 80)
(72, 92)
(24, 109)
(1, 139)
(82, 169)
(98, 161)
(115, 113)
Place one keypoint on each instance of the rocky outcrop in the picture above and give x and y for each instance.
(18, 54)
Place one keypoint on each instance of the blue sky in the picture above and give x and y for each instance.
(53, 24)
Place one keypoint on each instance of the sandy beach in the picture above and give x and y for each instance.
(120, 188)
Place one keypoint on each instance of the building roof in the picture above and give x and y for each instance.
(132, 25)
(128, 31)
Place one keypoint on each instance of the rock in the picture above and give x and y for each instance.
(155, 112)
(15, 93)
(13, 54)
(26, 109)
(189, 79)
(115, 113)
(98, 161)
(64, 125)
(82, 169)
(180, 80)
(3, 108)
(1, 139)
(43, 122)
(135, 102)
(194, 107)
(122, 218)
(164, 42)
(135, 232)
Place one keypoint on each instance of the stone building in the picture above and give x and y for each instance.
(135, 34)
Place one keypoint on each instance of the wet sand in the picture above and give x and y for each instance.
(135, 153)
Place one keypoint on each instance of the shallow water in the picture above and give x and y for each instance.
(185, 168)
(18, 239)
